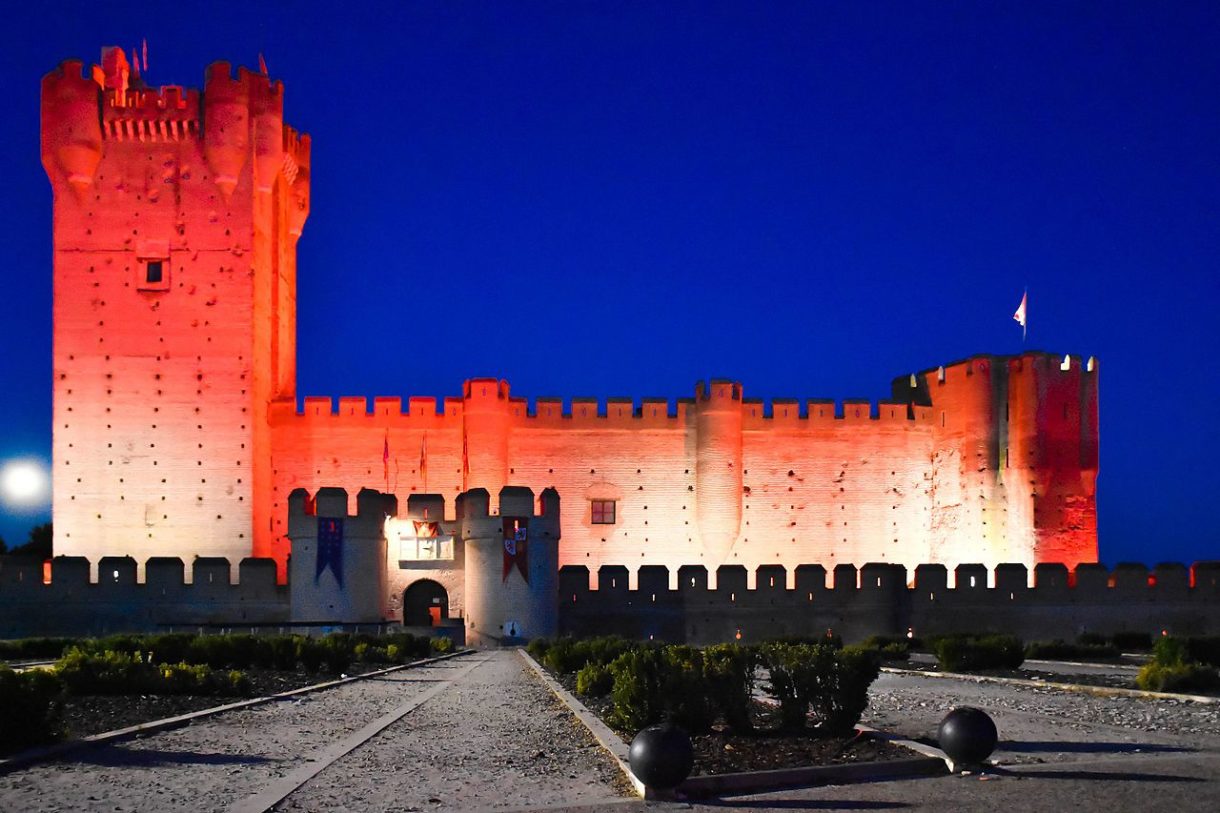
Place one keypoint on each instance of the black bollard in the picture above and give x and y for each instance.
(661, 756)
(967, 735)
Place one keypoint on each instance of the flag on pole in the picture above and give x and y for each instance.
(423, 460)
(1019, 316)
(385, 460)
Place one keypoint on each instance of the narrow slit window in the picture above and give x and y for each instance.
(153, 271)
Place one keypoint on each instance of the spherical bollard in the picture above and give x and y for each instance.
(967, 735)
(661, 756)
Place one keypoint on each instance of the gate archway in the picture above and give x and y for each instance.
(424, 604)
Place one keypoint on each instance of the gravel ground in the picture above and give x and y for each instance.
(496, 737)
(1036, 725)
(499, 739)
(214, 762)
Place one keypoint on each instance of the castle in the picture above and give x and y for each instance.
(177, 433)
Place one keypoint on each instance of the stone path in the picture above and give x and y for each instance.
(491, 737)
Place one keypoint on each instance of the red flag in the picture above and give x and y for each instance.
(423, 460)
(385, 460)
(145, 60)
(1019, 316)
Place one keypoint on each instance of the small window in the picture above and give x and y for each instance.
(603, 512)
(152, 271)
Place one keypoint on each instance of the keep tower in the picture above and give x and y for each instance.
(176, 218)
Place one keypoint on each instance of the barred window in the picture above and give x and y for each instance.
(603, 512)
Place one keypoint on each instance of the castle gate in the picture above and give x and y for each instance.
(424, 604)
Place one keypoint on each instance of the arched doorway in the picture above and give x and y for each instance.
(424, 604)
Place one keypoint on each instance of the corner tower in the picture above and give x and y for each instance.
(176, 218)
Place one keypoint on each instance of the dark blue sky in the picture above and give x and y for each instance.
(811, 198)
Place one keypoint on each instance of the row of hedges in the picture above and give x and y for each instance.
(967, 653)
(1059, 650)
(84, 672)
(333, 653)
(819, 685)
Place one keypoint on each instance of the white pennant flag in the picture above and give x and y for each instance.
(1019, 316)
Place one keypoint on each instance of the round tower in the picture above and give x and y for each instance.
(511, 566)
(226, 126)
(267, 111)
(485, 419)
(71, 126)
(718, 467)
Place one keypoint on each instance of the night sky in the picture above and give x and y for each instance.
(621, 198)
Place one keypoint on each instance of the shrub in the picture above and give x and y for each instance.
(1061, 650)
(28, 649)
(31, 703)
(963, 654)
(1090, 639)
(279, 652)
(685, 701)
(728, 671)
(822, 683)
(889, 647)
(1177, 677)
(594, 680)
(638, 688)
(1169, 652)
(336, 652)
(121, 673)
(1132, 641)
(441, 645)
(537, 648)
(564, 657)
(310, 653)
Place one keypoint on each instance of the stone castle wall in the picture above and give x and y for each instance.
(176, 431)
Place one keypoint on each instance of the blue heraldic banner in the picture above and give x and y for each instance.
(330, 548)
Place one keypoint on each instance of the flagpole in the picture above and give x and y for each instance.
(1025, 321)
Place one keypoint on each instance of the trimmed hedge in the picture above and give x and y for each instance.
(821, 684)
(959, 653)
(29, 649)
(119, 673)
(1059, 650)
(31, 704)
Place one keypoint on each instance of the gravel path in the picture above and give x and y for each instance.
(494, 735)
(1037, 725)
(497, 740)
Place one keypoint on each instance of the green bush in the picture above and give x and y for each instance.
(820, 683)
(638, 690)
(1091, 639)
(337, 652)
(1170, 652)
(441, 645)
(728, 670)
(1059, 650)
(594, 680)
(29, 649)
(1177, 677)
(964, 653)
(121, 673)
(686, 700)
(31, 703)
(889, 647)
(568, 655)
(1132, 641)
(537, 648)
(310, 653)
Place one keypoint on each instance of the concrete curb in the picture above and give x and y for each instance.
(932, 763)
(48, 752)
(1098, 691)
(610, 742)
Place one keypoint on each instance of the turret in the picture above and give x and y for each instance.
(718, 464)
(226, 125)
(485, 411)
(267, 111)
(296, 170)
(1052, 454)
(71, 126)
